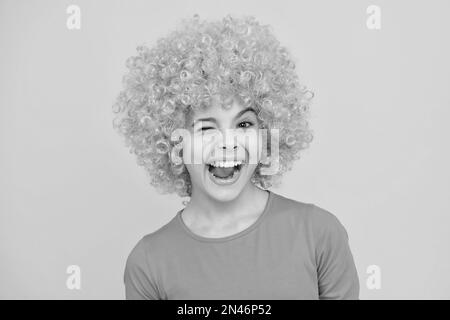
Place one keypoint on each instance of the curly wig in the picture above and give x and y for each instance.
(185, 70)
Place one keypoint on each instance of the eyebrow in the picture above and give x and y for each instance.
(240, 113)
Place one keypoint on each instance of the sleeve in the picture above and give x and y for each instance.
(336, 270)
(139, 285)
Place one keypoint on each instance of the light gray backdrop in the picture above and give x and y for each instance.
(71, 194)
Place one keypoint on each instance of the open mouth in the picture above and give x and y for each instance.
(225, 174)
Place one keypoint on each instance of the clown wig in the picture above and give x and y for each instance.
(193, 64)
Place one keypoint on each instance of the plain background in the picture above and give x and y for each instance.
(72, 194)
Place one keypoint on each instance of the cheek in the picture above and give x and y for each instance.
(187, 147)
(194, 150)
(195, 171)
(252, 142)
(251, 169)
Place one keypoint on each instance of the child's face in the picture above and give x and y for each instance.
(218, 134)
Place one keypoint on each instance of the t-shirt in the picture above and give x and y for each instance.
(294, 250)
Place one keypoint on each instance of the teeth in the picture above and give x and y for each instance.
(226, 164)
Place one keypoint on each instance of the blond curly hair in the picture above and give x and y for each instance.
(186, 69)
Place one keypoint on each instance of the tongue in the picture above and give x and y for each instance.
(222, 172)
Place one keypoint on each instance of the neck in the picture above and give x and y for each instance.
(215, 212)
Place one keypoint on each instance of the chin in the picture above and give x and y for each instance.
(223, 195)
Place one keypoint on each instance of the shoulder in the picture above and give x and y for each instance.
(303, 210)
(319, 221)
(142, 266)
(290, 208)
(325, 221)
(153, 246)
(141, 276)
(328, 232)
(154, 243)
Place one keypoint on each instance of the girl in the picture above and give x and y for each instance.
(232, 92)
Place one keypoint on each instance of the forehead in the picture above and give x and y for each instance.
(216, 110)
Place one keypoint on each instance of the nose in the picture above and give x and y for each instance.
(225, 148)
(228, 141)
(227, 144)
